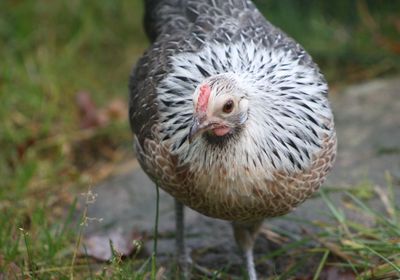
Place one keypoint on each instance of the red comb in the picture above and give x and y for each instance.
(204, 95)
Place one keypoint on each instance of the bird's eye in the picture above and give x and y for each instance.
(228, 106)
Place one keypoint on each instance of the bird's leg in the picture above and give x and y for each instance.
(182, 256)
(245, 235)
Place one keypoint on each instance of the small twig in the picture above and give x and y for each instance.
(273, 236)
(392, 197)
(31, 265)
(89, 199)
(332, 247)
(206, 272)
(385, 200)
(160, 273)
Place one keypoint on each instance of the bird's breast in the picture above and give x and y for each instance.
(238, 192)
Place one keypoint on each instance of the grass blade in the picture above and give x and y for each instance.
(154, 255)
(321, 265)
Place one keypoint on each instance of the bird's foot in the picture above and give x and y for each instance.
(185, 263)
(204, 271)
(187, 267)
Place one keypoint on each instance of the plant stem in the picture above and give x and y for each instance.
(321, 265)
(154, 255)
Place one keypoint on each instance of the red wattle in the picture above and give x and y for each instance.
(221, 131)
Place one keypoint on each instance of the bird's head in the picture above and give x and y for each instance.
(220, 107)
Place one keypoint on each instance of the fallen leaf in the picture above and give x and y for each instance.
(98, 246)
(161, 273)
(273, 236)
(117, 110)
(334, 273)
(90, 116)
(352, 244)
(11, 271)
(23, 147)
(335, 249)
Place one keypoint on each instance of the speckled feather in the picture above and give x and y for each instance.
(288, 143)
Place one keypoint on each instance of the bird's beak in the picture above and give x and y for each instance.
(198, 126)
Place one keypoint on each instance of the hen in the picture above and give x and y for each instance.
(230, 115)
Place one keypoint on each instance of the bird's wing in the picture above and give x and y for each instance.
(168, 17)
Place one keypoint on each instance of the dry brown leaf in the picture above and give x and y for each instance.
(98, 246)
(334, 273)
(273, 236)
(335, 249)
(117, 110)
(161, 273)
(11, 271)
(90, 116)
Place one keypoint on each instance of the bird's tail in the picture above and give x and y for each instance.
(160, 14)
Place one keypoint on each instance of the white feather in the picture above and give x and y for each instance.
(273, 80)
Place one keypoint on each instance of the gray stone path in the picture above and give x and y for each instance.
(368, 127)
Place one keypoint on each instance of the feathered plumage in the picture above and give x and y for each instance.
(279, 148)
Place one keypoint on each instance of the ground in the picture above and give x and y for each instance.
(368, 128)
(63, 94)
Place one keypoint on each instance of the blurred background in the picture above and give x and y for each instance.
(64, 71)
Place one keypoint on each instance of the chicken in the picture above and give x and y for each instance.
(230, 115)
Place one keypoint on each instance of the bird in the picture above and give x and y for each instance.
(229, 115)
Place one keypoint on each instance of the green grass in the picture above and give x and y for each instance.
(353, 247)
(350, 40)
(50, 50)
